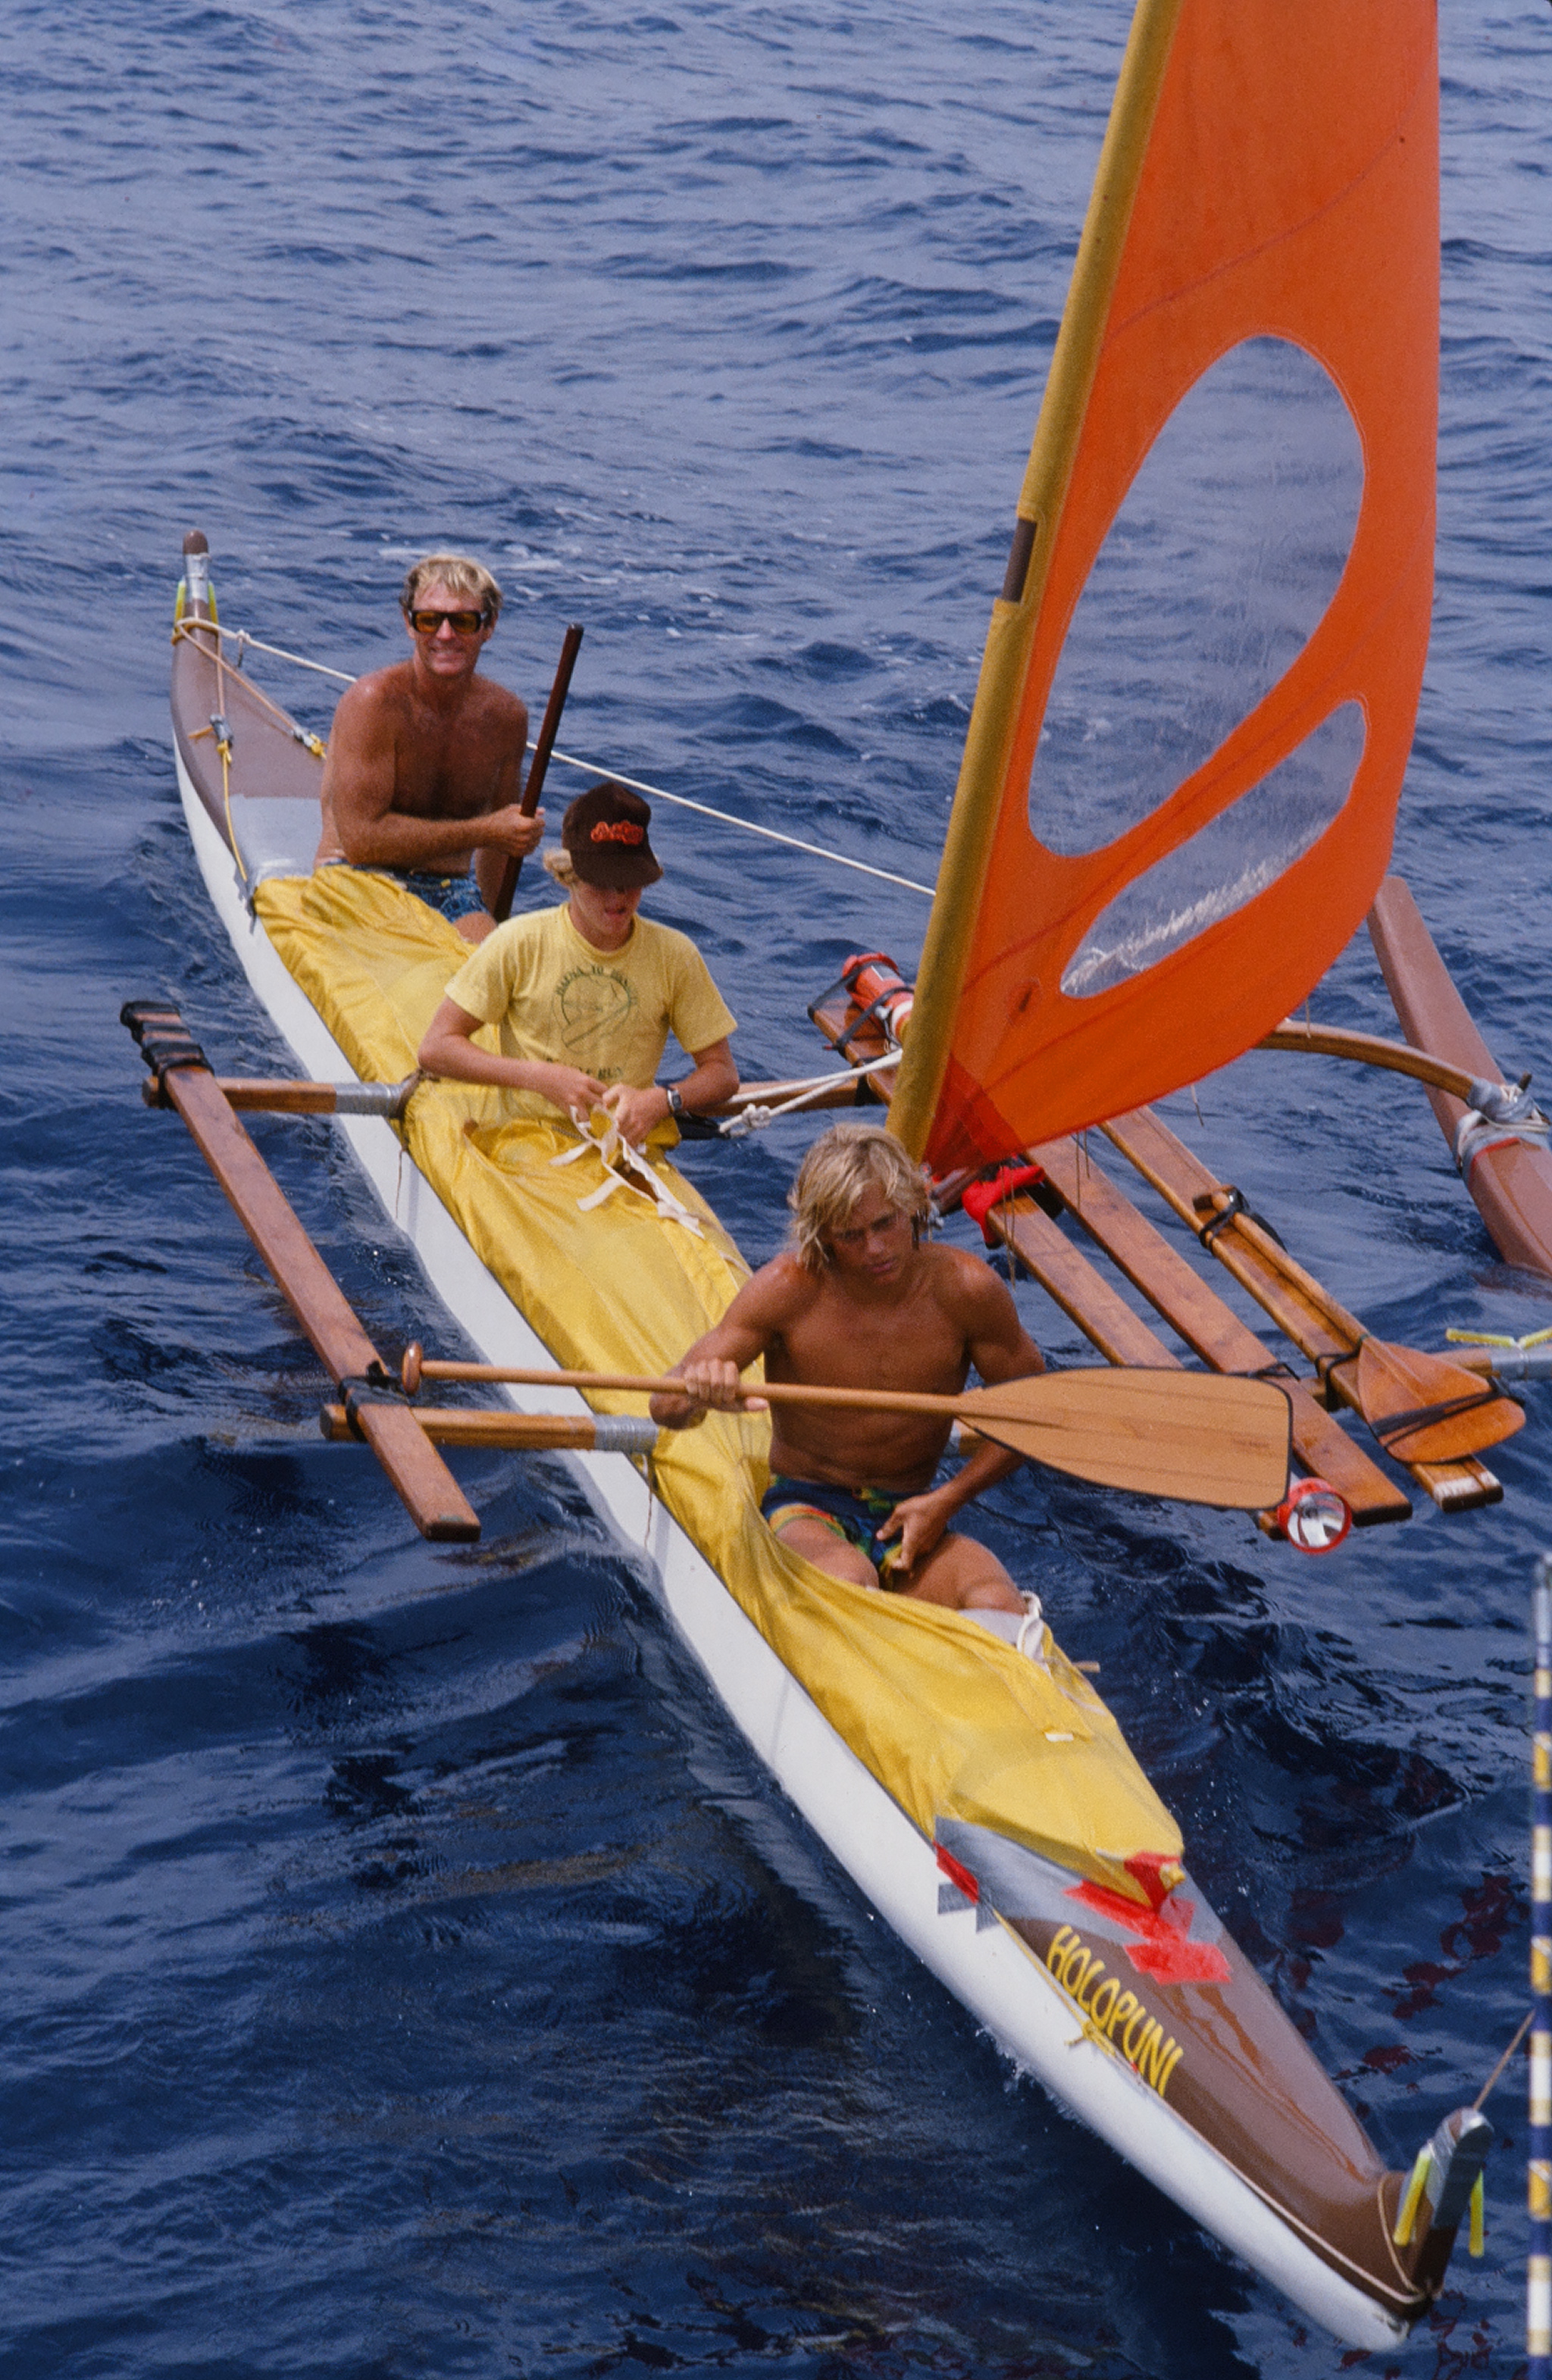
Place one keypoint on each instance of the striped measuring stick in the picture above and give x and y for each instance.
(1539, 2283)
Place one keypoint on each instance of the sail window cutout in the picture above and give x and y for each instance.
(1216, 572)
(1227, 863)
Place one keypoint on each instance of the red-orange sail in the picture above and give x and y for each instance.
(1224, 541)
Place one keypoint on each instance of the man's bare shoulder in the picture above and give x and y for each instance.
(780, 1291)
(966, 1285)
(379, 695)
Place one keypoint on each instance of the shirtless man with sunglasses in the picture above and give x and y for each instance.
(420, 752)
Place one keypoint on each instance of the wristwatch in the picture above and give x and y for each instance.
(675, 1104)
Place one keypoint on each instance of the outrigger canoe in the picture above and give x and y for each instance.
(1244, 388)
(980, 1796)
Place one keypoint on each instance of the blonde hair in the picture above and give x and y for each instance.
(561, 866)
(459, 573)
(848, 1160)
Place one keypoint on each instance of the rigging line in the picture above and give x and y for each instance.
(246, 636)
(726, 818)
(1481, 2100)
(638, 785)
(755, 1119)
(183, 633)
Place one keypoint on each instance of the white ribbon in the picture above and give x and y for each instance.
(624, 1168)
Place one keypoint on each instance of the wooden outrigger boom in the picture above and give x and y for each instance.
(1333, 1340)
(1499, 1142)
(184, 1081)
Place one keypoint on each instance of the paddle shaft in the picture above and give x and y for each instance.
(501, 908)
(1195, 1436)
(771, 1393)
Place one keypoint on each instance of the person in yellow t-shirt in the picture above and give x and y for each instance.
(583, 996)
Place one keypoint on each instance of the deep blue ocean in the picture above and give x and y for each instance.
(407, 1969)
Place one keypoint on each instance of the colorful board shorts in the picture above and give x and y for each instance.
(855, 1514)
(453, 896)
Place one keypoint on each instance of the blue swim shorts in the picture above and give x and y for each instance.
(855, 1514)
(453, 896)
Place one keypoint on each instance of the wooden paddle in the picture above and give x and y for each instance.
(1421, 1407)
(1197, 1436)
(501, 908)
(1426, 1409)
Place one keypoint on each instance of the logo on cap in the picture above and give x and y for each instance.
(621, 830)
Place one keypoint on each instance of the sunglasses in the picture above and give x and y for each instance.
(463, 623)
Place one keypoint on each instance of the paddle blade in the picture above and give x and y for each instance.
(1424, 1409)
(1198, 1437)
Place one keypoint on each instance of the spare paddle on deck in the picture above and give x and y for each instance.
(1197, 1436)
(501, 908)
(1426, 1409)
(1388, 1386)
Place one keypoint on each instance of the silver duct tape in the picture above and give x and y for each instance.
(623, 1434)
(373, 1099)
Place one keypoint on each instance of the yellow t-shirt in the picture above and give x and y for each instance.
(554, 998)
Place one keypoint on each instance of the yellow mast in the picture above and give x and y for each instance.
(1014, 615)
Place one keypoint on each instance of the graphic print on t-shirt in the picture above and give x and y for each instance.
(592, 1003)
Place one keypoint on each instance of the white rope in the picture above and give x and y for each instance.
(246, 636)
(636, 785)
(726, 818)
(755, 1119)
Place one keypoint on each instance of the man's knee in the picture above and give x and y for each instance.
(827, 1552)
(476, 926)
(964, 1577)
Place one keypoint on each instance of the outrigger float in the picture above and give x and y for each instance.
(972, 1781)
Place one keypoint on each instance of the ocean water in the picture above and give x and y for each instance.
(407, 1970)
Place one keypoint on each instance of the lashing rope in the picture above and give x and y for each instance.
(756, 1118)
(567, 760)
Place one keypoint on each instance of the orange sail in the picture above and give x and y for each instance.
(1201, 679)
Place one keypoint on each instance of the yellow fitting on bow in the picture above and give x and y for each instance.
(1476, 2239)
(1411, 2198)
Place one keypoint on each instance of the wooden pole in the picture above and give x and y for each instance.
(475, 1425)
(432, 1497)
(290, 1095)
(501, 908)
(1370, 1050)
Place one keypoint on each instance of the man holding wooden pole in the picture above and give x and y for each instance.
(424, 753)
(862, 1300)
